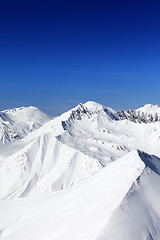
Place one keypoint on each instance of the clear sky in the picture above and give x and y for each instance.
(55, 54)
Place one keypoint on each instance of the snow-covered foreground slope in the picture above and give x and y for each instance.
(138, 215)
(77, 213)
(120, 202)
(18, 122)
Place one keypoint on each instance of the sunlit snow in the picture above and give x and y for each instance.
(89, 174)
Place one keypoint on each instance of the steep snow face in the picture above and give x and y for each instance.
(138, 215)
(77, 213)
(44, 165)
(147, 114)
(18, 122)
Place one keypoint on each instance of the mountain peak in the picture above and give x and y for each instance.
(16, 123)
(93, 106)
(79, 111)
(149, 108)
(151, 105)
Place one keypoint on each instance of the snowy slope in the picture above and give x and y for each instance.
(109, 190)
(77, 213)
(42, 166)
(138, 215)
(120, 202)
(18, 122)
(71, 148)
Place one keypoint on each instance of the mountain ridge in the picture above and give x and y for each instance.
(18, 122)
(87, 174)
(90, 133)
(95, 202)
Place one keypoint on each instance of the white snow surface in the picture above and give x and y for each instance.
(82, 175)
(150, 109)
(138, 215)
(18, 122)
(78, 213)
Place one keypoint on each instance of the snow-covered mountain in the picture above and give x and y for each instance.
(147, 114)
(107, 163)
(70, 148)
(18, 122)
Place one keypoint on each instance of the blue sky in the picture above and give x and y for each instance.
(55, 54)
